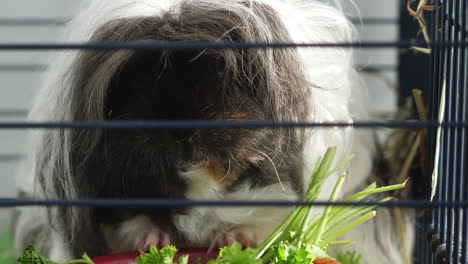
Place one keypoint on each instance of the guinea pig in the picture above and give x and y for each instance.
(273, 84)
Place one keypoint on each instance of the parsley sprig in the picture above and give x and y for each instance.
(164, 256)
(31, 256)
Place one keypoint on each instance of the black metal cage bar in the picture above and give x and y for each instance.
(442, 235)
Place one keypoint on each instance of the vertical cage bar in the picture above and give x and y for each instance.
(459, 157)
(451, 135)
(440, 76)
(434, 95)
(464, 117)
(422, 226)
(444, 147)
(434, 101)
(437, 87)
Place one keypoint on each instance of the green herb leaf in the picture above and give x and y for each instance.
(234, 254)
(87, 259)
(349, 257)
(167, 255)
(184, 259)
(286, 253)
(30, 256)
(164, 256)
(151, 257)
(197, 261)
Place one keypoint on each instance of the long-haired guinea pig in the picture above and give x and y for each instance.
(307, 84)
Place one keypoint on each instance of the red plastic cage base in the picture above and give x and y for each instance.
(129, 258)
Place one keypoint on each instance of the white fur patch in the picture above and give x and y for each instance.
(128, 234)
(59, 251)
(201, 224)
(201, 186)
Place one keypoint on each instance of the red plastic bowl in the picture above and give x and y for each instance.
(194, 254)
(129, 258)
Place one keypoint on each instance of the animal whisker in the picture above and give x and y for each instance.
(227, 173)
(274, 167)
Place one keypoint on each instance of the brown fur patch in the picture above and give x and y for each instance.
(241, 116)
(221, 175)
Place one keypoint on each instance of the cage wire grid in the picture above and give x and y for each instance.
(442, 231)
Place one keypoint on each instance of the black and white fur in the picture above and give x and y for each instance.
(310, 84)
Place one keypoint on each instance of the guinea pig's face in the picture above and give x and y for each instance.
(186, 86)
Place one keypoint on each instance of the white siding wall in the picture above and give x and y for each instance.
(19, 86)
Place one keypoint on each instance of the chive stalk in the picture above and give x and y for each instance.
(301, 227)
